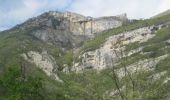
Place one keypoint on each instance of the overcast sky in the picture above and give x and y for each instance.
(13, 12)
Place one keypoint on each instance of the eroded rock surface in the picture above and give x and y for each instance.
(43, 61)
(110, 52)
(68, 29)
(106, 55)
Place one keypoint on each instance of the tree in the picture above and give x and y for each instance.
(16, 88)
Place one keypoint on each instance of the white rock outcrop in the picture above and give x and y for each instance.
(82, 25)
(157, 75)
(167, 79)
(143, 65)
(43, 61)
(106, 55)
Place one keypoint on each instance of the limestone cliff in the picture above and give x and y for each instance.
(68, 29)
(109, 53)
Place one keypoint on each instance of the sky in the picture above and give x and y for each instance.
(13, 12)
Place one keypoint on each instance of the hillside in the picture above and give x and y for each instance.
(67, 56)
(167, 12)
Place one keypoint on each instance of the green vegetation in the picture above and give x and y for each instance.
(15, 86)
(100, 39)
(155, 46)
(90, 84)
(87, 85)
(164, 65)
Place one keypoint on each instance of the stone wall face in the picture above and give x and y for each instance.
(82, 25)
(69, 28)
(92, 26)
(109, 53)
(43, 61)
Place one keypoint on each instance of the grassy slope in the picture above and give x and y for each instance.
(162, 14)
(88, 84)
(144, 87)
(156, 45)
(96, 42)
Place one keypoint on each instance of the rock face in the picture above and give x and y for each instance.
(69, 29)
(107, 54)
(91, 26)
(44, 61)
(145, 65)
(66, 30)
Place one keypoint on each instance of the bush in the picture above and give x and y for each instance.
(17, 87)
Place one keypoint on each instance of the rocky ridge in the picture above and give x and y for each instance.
(132, 59)
(68, 29)
(106, 55)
